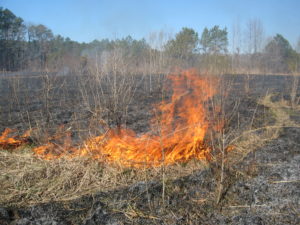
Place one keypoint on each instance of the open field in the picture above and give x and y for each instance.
(34, 100)
(256, 182)
(185, 112)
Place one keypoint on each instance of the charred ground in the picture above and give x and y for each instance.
(261, 183)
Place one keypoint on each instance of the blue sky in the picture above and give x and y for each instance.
(86, 20)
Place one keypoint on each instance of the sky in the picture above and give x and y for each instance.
(87, 20)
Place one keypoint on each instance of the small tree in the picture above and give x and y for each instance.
(184, 45)
(280, 56)
(214, 44)
(214, 40)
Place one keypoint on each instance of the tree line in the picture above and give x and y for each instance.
(35, 47)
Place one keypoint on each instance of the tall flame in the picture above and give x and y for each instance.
(179, 129)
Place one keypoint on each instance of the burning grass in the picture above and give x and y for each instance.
(9, 141)
(179, 125)
(178, 131)
(123, 158)
(71, 172)
(118, 157)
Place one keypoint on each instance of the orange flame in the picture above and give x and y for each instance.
(8, 141)
(180, 126)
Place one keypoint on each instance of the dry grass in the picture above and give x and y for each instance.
(26, 180)
(249, 140)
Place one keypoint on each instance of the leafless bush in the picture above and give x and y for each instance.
(108, 88)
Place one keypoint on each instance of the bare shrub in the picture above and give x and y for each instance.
(108, 88)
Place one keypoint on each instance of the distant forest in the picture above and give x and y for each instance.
(36, 48)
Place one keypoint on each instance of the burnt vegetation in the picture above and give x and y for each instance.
(124, 132)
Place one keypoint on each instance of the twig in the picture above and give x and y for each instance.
(246, 206)
(285, 181)
(221, 186)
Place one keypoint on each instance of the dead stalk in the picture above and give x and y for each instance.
(294, 90)
(163, 172)
(221, 184)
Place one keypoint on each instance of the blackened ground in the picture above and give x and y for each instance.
(49, 100)
(46, 101)
(262, 188)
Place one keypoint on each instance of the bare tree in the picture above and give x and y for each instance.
(157, 62)
(254, 36)
(236, 45)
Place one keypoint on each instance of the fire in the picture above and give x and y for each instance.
(8, 141)
(179, 128)
(57, 145)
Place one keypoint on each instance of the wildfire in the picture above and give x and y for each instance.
(9, 141)
(179, 128)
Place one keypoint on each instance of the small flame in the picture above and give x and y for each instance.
(9, 141)
(180, 126)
